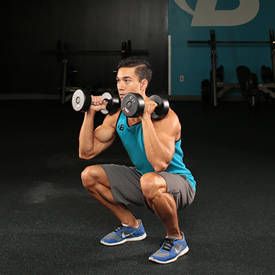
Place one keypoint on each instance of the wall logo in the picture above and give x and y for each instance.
(205, 13)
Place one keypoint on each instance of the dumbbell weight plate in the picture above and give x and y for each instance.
(108, 97)
(80, 102)
(132, 105)
(162, 109)
(113, 103)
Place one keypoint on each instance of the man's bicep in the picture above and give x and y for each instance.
(167, 139)
(101, 146)
(168, 133)
(169, 130)
(106, 131)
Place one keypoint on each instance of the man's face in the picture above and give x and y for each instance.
(128, 82)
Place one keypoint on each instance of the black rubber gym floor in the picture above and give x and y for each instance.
(50, 225)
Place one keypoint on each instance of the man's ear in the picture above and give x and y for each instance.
(144, 84)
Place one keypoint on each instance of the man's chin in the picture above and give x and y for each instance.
(122, 96)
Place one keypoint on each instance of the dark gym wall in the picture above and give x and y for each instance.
(32, 27)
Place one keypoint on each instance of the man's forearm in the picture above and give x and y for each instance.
(86, 135)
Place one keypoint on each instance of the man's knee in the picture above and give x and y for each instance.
(91, 176)
(152, 185)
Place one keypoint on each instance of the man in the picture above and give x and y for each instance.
(159, 178)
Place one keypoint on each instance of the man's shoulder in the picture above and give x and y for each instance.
(172, 117)
(170, 121)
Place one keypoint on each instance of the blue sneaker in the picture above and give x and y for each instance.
(124, 234)
(169, 251)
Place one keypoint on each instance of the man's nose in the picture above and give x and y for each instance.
(120, 86)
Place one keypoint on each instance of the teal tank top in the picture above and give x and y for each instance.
(132, 140)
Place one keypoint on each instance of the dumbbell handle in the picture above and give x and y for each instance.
(97, 103)
(105, 99)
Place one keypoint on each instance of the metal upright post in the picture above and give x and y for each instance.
(272, 46)
(213, 66)
(64, 80)
(169, 65)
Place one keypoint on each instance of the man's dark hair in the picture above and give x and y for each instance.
(143, 67)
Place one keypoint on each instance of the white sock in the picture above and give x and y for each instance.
(175, 238)
(126, 225)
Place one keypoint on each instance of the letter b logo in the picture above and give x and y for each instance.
(205, 13)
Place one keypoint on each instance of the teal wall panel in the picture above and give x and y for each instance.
(223, 16)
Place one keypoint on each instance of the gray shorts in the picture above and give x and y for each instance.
(125, 186)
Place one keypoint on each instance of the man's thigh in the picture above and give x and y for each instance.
(125, 184)
(179, 188)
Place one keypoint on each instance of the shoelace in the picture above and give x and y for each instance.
(118, 228)
(167, 244)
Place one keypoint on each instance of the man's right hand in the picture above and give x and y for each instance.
(98, 103)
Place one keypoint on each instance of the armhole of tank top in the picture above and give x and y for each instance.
(118, 119)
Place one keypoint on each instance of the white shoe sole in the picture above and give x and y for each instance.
(184, 251)
(142, 237)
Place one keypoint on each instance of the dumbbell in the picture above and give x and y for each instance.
(81, 102)
(133, 105)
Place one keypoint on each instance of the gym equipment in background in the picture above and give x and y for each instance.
(63, 54)
(217, 89)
